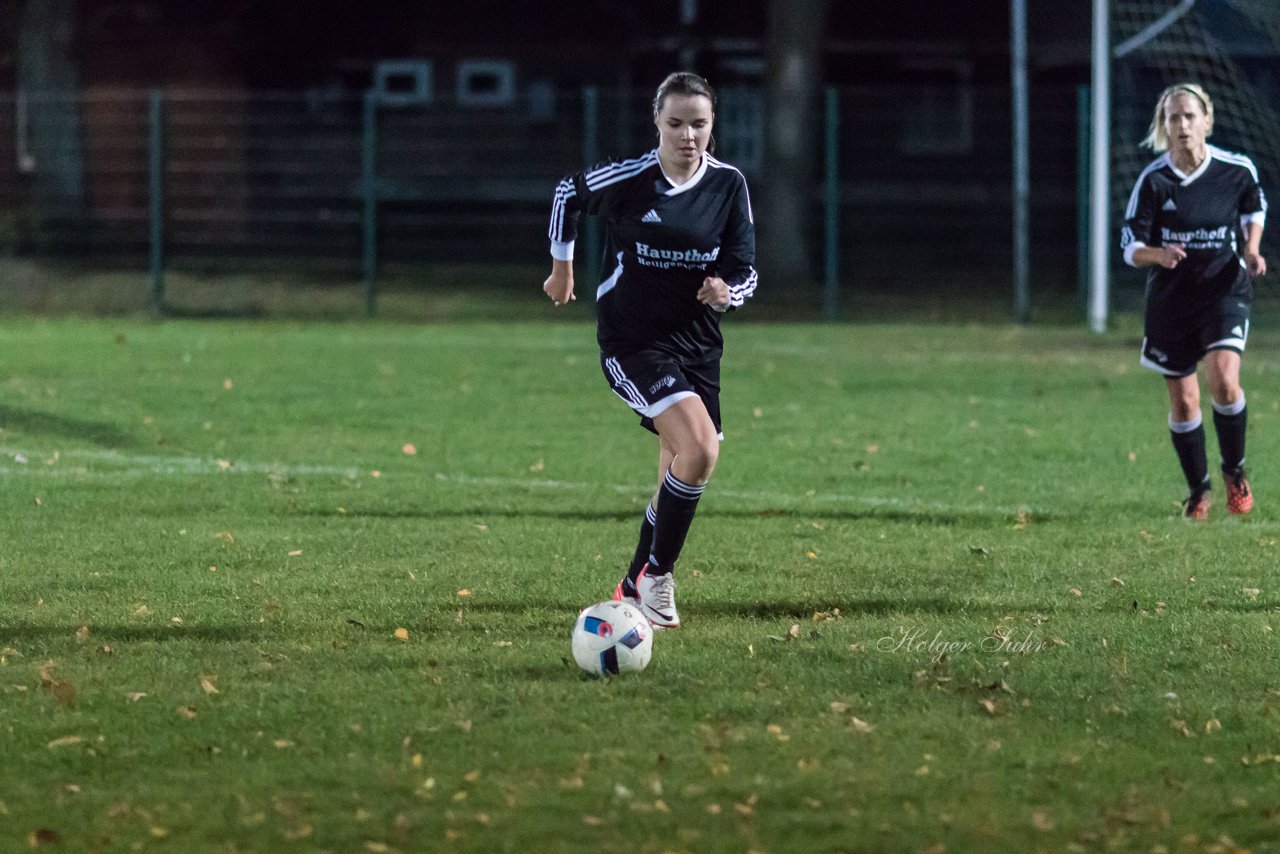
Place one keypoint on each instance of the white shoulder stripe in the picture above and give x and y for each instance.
(720, 164)
(1133, 197)
(615, 172)
(622, 164)
(1237, 159)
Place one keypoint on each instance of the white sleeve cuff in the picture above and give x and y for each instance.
(562, 251)
(1130, 250)
(1260, 217)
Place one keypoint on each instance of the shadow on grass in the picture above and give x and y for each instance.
(792, 609)
(139, 634)
(246, 632)
(43, 424)
(874, 514)
(244, 312)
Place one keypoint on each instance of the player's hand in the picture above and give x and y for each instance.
(1170, 255)
(1256, 264)
(559, 286)
(714, 292)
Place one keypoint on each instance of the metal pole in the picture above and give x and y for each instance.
(831, 210)
(1099, 191)
(155, 168)
(369, 182)
(1021, 166)
(591, 153)
(1082, 195)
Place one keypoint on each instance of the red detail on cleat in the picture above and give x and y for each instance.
(1239, 495)
(1197, 506)
(619, 595)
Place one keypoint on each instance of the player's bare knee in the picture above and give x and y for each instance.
(1185, 409)
(710, 454)
(696, 461)
(1184, 401)
(1226, 392)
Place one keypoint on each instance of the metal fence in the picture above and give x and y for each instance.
(318, 178)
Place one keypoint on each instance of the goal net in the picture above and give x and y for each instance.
(1232, 49)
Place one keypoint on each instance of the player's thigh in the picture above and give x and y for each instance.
(686, 427)
(704, 378)
(1224, 335)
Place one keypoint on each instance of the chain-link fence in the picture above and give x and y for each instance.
(315, 179)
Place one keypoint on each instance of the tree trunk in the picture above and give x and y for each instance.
(48, 81)
(793, 132)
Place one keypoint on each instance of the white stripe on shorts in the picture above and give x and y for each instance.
(632, 395)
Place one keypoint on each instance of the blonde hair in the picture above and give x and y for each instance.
(1157, 136)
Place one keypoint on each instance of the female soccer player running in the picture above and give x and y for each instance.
(680, 250)
(1183, 221)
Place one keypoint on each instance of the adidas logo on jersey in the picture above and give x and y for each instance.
(1236, 330)
(1169, 205)
(651, 216)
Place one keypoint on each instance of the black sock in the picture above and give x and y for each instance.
(644, 546)
(1230, 430)
(1191, 454)
(677, 502)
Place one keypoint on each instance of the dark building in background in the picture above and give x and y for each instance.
(485, 106)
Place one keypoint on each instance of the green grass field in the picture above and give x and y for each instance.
(271, 586)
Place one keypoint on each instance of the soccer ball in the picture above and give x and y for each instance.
(611, 638)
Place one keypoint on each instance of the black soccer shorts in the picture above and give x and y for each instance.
(651, 381)
(1174, 349)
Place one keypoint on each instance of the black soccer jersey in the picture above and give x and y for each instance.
(662, 240)
(1204, 212)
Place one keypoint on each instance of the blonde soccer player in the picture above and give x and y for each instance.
(1194, 221)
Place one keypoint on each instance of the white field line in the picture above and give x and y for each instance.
(14, 461)
(117, 464)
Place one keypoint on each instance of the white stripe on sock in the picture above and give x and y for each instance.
(682, 489)
(1230, 408)
(1185, 426)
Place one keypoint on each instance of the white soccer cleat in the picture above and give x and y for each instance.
(658, 599)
